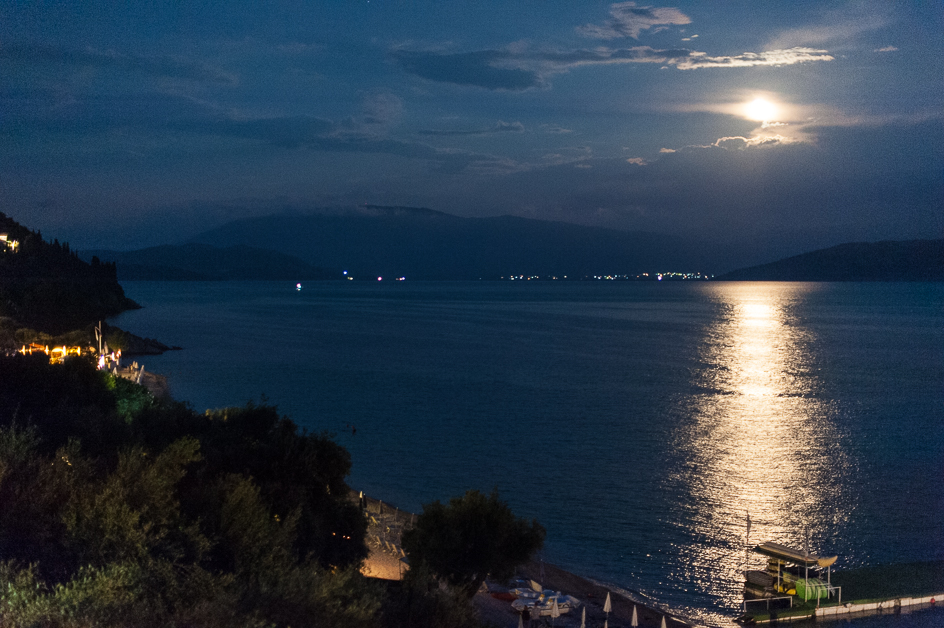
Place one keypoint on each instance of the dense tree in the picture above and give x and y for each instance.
(474, 536)
(118, 509)
(46, 286)
(421, 603)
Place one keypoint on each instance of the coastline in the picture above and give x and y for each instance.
(593, 594)
(386, 523)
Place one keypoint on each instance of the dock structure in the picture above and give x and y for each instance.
(794, 587)
(878, 606)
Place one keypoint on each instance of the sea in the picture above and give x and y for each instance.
(643, 424)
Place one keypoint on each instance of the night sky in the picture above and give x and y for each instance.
(788, 125)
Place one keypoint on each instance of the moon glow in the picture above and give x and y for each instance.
(761, 110)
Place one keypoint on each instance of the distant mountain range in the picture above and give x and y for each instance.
(914, 260)
(371, 241)
(427, 244)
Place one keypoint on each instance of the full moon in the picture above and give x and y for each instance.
(760, 109)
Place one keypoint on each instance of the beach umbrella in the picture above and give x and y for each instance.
(635, 621)
(520, 621)
(607, 606)
(583, 618)
(606, 623)
(555, 611)
(663, 621)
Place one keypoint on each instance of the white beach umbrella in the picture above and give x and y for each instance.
(555, 609)
(607, 606)
(635, 620)
(606, 623)
(663, 621)
(583, 618)
(520, 622)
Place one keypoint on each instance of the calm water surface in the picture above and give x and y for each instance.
(639, 423)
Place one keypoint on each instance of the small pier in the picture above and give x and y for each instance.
(794, 587)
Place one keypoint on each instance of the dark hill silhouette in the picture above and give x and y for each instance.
(203, 262)
(426, 244)
(913, 260)
(45, 286)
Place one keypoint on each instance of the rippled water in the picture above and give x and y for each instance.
(640, 423)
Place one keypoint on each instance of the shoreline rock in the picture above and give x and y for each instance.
(157, 385)
(132, 344)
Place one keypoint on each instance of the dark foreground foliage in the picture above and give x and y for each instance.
(118, 509)
(45, 286)
(469, 538)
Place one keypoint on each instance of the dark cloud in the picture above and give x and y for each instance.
(60, 111)
(512, 71)
(518, 71)
(164, 116)
(498, 127)
(480, 69)
(629, 20)
(151, 114)
(24, 56)
(287, 132)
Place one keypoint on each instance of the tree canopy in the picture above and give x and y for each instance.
(474, 536)
(44, 285)
(119, 509)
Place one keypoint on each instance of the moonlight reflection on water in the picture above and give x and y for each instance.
(760, 441)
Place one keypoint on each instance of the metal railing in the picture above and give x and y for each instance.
(767, 600)
(830, 590)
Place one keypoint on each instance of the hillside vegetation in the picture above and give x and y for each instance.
(123, 510)
(45, 286)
